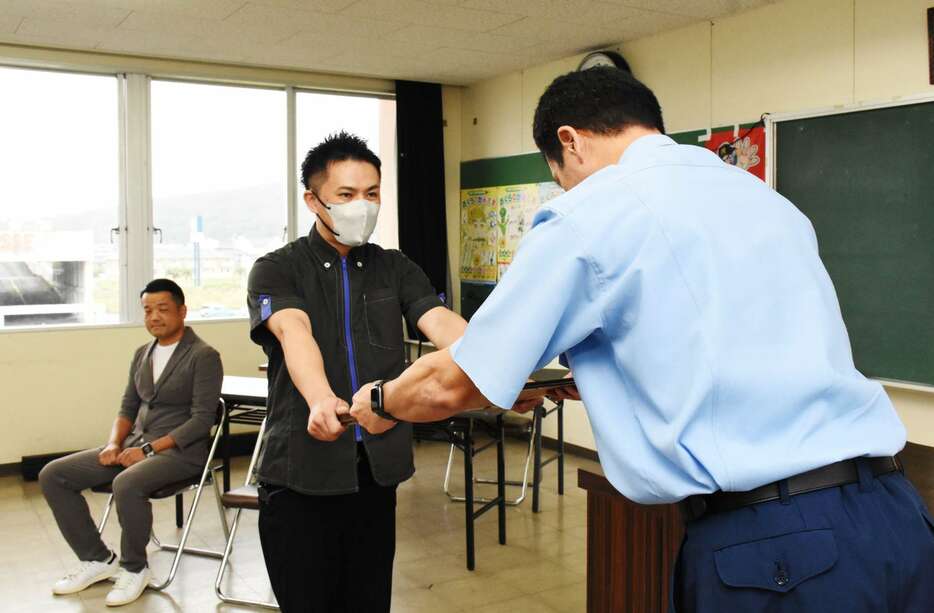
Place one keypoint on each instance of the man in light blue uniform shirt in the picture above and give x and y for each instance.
(708, 346)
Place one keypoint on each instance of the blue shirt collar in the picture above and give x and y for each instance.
(642, 147)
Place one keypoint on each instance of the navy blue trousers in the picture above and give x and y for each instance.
(867, 547)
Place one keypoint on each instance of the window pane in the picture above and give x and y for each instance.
(219, 191)
(373, 119)
(59, 182)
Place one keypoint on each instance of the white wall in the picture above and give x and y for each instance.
(62, 388)
(792, 56)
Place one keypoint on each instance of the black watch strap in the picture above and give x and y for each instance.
(148, 450)
(376, 401)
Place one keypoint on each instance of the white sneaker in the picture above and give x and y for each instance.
(128, 587)
(86, 575)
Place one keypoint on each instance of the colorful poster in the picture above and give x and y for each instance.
(747, 151)
(479, 234)
(516, 208)
(548, 191)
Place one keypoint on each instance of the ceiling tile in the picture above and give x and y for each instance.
(205, 9)
(539, 29)
(450, 41)
(287, 57)
(573, 11)
(695, 8)
(204, 28)
(171, 45)
(427, 14)
(360, 47)
(324, 24)
(67, 12)
(652, 23)
(56, 33)
(460, 39)
(325, 6)
(8, 23)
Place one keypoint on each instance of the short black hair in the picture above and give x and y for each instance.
(165, 285)
(603, 100)
(336, 147)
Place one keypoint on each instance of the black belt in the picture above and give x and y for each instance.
(832, 475)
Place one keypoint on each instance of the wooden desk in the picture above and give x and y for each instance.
(245, 403)
(631, 550)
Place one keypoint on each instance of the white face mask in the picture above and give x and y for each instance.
(353, 221)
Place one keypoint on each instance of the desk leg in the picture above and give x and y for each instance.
(537, 458)
(561, 448)
(226, 451)
(179, 511)
(501, 478)
(468, 493)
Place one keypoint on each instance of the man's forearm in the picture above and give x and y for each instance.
(119, 431)
(305, 365)
(432, 389)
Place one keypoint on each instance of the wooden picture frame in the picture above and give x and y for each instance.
(931, 45)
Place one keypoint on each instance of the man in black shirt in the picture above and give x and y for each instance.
(327, 310)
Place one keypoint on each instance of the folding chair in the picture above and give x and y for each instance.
(245, 497)
(525, 427)
(176, 490)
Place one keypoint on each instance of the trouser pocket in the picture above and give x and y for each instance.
(778, 564)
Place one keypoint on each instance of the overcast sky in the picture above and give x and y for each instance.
(59, 139)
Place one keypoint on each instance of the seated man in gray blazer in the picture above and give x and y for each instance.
(160, 436)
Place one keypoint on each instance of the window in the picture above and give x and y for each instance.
(373, 119)
(218, 188)
(58, 198)
(108, 181)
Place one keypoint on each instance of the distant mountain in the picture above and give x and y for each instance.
(257, 213)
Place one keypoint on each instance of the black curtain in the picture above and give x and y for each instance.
(420, 143)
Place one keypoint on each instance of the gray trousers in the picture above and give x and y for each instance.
(63, 480)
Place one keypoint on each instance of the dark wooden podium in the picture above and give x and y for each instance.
(631, 550)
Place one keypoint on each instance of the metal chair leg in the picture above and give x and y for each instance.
(181, 548)
(524, 483)
(225, 561)
(107, 507)
(220, 505)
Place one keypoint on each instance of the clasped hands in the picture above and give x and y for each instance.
(115, 455)
(329, 417)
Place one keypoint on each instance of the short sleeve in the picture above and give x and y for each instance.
(547, 302)
(270, 289)
(415, 291)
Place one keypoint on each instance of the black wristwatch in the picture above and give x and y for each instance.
(148, 450)
(376, 401)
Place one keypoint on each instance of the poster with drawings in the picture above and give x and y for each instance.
(516, 208)
(548, 191)
(479, 234)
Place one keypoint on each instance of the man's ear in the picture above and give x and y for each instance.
(571, 143)
(311, 201)
(183, 311)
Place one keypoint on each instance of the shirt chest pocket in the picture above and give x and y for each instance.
(383, 318)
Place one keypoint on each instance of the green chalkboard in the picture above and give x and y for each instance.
(866, 181)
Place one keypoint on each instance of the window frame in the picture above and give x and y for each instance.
(135, 215)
